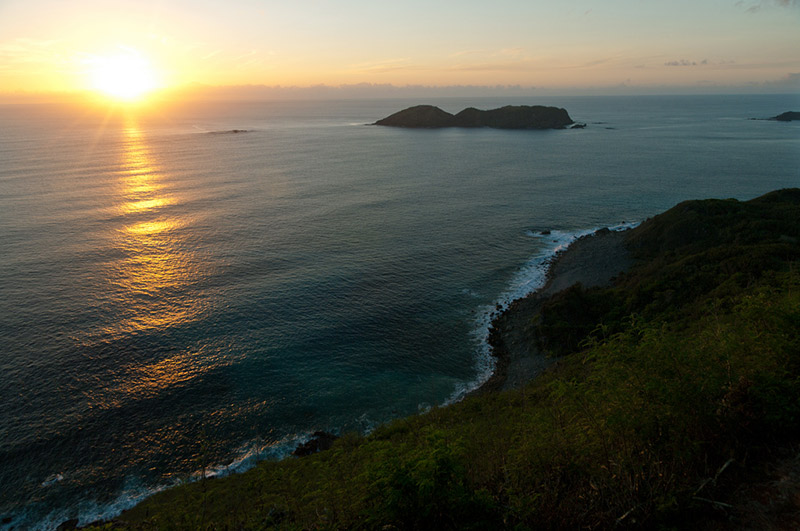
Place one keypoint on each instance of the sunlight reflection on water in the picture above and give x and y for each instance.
(156, 267)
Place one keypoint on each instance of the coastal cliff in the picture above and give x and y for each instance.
(669, 397)
(508, 117)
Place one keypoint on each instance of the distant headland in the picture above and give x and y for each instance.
(787, 116)
(508, 117)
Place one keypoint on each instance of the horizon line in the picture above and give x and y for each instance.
(388, 90)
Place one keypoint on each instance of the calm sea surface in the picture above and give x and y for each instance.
(172, 295)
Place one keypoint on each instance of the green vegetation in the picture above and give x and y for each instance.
(671, 384)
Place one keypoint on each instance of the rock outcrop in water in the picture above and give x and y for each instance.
(320, 441)
(229, 132)
(508, 117)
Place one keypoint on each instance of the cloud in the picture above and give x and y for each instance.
(790, 81)
(755, 7)
(524, 63)
(464, 53)
(251, 53)
(23, 54)
(684, 62)
(387, 65)
(500, 66)
(511, 51)
(597, 62)
(504, 52)
(357, 90)
(26, 50)
(761, 65)
(212, 54)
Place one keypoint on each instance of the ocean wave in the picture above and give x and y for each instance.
(250, 454)
(135, 491)
(85, 512)
(531, 276)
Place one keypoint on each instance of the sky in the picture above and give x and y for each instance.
(646, 45)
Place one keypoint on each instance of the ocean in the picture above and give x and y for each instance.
(176, 297)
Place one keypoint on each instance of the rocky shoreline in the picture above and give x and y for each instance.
(593, 260)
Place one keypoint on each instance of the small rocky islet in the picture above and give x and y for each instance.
(508, 117)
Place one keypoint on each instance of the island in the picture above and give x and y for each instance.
(508, 117)
(787, 116)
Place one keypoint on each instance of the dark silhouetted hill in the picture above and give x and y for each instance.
(508, 117)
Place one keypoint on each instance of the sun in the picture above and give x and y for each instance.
(124, 76)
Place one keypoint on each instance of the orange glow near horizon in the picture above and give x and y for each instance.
(127, 52)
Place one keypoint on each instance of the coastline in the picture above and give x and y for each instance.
(610, 389)
(592, 260)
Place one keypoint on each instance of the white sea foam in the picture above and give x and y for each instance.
(134, 491)
(367, 424)
(248, 455)
(52, 480)
(529, 278)
(90, 511)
